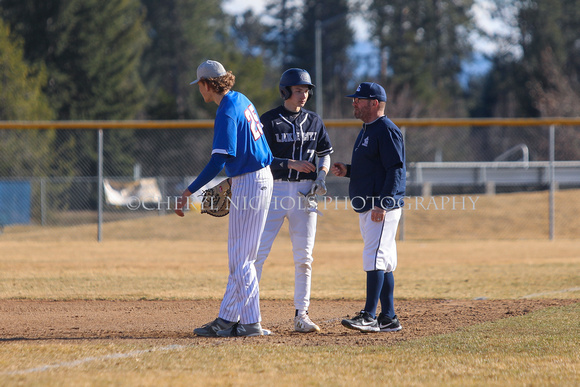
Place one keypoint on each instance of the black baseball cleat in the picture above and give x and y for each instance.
(387, 324)
(240, 330)
(364, 322)
(211, 328)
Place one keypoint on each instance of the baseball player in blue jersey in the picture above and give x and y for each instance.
(377, 188)
(301, 149)
(239, 145)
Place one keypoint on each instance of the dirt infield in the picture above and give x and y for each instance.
(174, 320)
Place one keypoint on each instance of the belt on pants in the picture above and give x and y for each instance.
(293, 180)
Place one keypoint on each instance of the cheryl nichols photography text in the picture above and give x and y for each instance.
(429, 203)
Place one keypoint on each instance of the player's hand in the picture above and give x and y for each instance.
(378, 214)
(338, 169)
(179, 204)
(319, 187)
(301, 166)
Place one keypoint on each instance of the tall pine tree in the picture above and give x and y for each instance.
(422, 45)
(291, 40)
(21, 96)
(537, 73)
(183, 33)
(280, 34)
(92, 51)
(22, 152)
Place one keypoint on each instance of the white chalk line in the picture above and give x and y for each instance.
(95, 358)
(554, 292)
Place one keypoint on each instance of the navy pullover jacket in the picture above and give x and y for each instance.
(377, 171)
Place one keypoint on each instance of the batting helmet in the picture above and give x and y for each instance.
(294, 77)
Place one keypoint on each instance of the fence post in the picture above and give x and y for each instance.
(552, 182)
(402, 221)
(100, 189)
(43, 201)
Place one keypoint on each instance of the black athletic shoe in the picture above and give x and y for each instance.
(387, 324)
(364, 322)
(240, 330)
(211, 328)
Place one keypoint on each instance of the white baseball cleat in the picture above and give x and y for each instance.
(302, 323)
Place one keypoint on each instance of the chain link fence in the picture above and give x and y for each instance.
(482, 178)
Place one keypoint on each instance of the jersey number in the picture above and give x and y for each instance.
(254, 121)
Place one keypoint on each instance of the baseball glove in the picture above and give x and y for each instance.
(215, 201)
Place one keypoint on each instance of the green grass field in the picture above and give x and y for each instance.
(183, 259)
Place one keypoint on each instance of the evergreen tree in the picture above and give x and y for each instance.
(183, 33)
(21, 96)
(92, 52)
(250, 34)
(259, 74)
(22, 152)
(422, 45)
(545, 76)
(549, 41)
(336, 39)
(91, 49)
(571, 23)
(541, 81)
(280, 34)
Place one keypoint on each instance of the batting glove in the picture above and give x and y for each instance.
(318, 187)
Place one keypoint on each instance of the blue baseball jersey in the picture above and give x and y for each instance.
(239, 133)
(297, 136)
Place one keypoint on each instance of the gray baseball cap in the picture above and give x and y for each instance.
(209, 69)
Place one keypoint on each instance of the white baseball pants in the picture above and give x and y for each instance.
(251, 195)
(287, 203)
(380, 248)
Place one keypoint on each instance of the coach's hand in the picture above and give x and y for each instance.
(338, 169)
(378, 214)
(301, 166)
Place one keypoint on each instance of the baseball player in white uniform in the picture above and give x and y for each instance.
(240, 146)
(297, 138)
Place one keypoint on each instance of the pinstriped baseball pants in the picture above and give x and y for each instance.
(251, 195)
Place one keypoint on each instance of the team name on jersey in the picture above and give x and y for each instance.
(290, 137)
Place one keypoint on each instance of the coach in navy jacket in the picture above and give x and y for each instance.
(377, 188)
(377, 171)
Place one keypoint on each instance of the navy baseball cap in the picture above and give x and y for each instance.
(370, 90)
